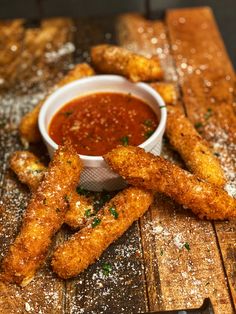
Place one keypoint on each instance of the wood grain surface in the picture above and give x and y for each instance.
(169, 259)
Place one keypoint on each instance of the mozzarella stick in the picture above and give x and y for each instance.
(87, 245)
(28, 127)
(196, 153)
(117, 60)
(145, 170)
(31, 171)
(43, 218)
(28, 168)
(184, 138)
(167, 91)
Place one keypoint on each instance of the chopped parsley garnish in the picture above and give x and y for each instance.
(87, 213)
(67, 113)
(198, 125)
(101, 200)
(161, 252)
(217, 154)
(125, 140)
(208, 114)
(96, 222)
(114, 212)
(148, 122)
(82, 191)
(149, 133)
(106, 269)
(187, 246)
(162, 107)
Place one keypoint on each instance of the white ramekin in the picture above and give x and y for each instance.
(96, 175)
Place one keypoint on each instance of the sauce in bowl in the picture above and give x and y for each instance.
(97, 123)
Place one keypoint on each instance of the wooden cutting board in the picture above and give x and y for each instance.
(169, 259)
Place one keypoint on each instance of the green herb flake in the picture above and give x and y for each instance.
(217, 154)
(96, 222)
(87, 213)
(198, 125)
(114, 212)
(208, 114)
(187, 246)
(82, 191)
(162, 107)
(67, 113)
(149, 133)
(161, 252)
(106, 269)
(125, 140)
(148, 122)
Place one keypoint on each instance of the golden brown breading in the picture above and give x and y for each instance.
(193, 149)
(30, 171)
(187, 141)
(87, 245)
(28, 127)
(28, 168)
(43, 218)
(153, 172)
(117, 60)
(167, 91)
(76, 216)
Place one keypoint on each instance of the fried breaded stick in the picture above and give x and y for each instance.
(87, 245)
(153, 172)
(43, 218)
(28, 168)
(28, 127)
(30, 171)
(193, 149)
(167, 91)
(187, 141)
(117, 60)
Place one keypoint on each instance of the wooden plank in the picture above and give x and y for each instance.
(47, 52)
(124, 290)
(176, 277)
(207, 78)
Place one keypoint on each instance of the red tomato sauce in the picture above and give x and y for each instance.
(97, 123)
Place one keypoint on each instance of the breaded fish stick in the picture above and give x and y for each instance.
(87, 245)
(187, 141)
(43, 218)
(31, 171)
(28, 127)
(153, 172)
(117, 60)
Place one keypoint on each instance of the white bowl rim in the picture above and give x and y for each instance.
(118, 78)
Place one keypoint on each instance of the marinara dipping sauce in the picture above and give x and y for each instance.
(97, 123)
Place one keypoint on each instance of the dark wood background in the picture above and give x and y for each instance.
(224, 11)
